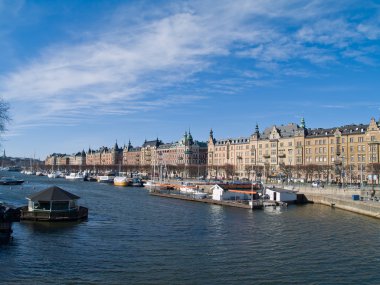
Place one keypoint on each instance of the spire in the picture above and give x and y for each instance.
(257, 132)
(303, 125)
(211, 138)
(116, 147)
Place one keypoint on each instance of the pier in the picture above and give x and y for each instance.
(230, 203)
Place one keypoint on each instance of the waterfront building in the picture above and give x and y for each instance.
(131, 157)
(104, 156)
(186, 157)
(342, 154)
(78, 159)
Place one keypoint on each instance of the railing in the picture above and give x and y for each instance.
(77, 214)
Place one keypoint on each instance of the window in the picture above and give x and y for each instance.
(290, 144)
(373, 138)
(351, 140)
(360, 139)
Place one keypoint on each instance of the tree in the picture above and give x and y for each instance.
(4, 115)
(229, 170)
(374, 169)
(326, 170)
(287, 170)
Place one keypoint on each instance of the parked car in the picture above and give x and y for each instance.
(317, 184)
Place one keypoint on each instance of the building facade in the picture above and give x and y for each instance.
(341, 154)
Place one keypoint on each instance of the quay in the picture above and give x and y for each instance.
(238, 204)
(354, 200)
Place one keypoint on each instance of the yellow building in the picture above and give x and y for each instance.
(347, 154)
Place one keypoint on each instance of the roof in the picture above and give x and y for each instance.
(53, 193)
(285, 131)
(281, 190)
(348, 129)
(153, 143)
(244, 191)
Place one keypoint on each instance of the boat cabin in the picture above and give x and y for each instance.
(53, 203)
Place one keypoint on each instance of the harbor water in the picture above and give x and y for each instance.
(134, 238)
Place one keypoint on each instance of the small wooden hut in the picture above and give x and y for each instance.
(53, 204)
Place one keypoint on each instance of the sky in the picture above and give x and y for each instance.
(80, 74)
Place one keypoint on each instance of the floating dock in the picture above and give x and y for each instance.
(237, 204)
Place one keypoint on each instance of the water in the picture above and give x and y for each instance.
(134, 238)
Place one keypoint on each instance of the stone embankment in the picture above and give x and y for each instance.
(342, 198)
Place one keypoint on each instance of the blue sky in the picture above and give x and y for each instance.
(81, 74)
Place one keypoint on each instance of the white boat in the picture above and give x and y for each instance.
(188, 187)
(55, 174)
(193, 190)
(121, 181)
(75, 176)
(152, 185)
(106, 178)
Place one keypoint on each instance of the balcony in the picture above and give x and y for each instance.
(266, 156)
(282, 155)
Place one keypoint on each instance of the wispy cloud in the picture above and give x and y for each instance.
(121, 68)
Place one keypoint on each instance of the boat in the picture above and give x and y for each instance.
(152, 185)
(53, 205)
(106, 178)
(192, 189)
(8, 214)
(188, 187)
(10, 181)
(121, 181)
(75, 176)
(54, 174)
(136, 182)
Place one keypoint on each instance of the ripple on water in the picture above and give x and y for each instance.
(131, 237)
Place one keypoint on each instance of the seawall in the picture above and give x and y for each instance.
(342, 199)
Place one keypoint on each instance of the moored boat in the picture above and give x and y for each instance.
(53, 204)
(193, 190)
(121, 181)
(75, 176)
(105, 178)
(8, 215)
(136, 182)
(10, 181)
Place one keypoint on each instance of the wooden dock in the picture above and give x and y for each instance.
(236, 204)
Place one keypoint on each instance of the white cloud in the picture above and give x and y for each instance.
(129, 60)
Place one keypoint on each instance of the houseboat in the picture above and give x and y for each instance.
(53, 204)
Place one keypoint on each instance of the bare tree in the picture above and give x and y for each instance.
(287, 170)
(309, 171)
(326, 170)
(4, 115)
(229, 170)
(374, 169)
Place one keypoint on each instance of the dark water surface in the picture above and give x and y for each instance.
(134, 238)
